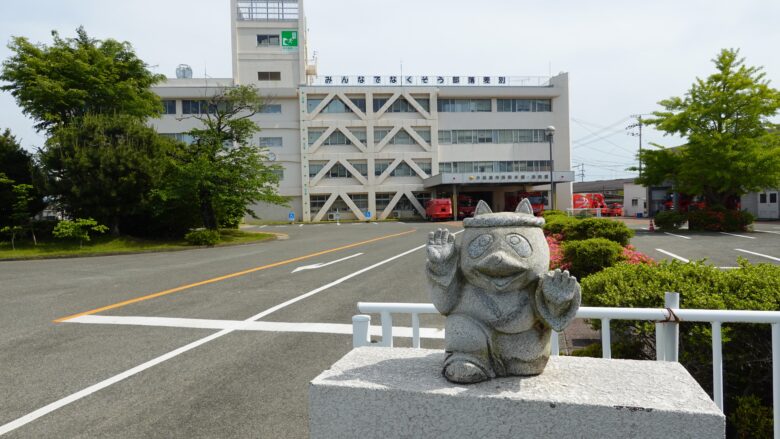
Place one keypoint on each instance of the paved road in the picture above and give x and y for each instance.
(169, 365)
(227, 383)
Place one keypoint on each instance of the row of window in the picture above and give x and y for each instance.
(336, 105)
(454, 137)
(402, 137)
(317, 202)
(464, 105)
(499, 166)
(524, 105)
(340, 171)
(268, 40)
(202, 107)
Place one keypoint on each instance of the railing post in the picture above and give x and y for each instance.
(554, 348)
(717, 365)
(360, 325)
(672, 329)
(415, 330)
(387, 329)
(776, 376)
(606, 339)
(660, 352)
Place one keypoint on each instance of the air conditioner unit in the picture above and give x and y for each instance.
(331, 216)
(396, 214)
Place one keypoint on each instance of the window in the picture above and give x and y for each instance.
(524, 105)
(360, 200)
(773, 197)
(314, 135)
(445, 137)
(425, 133)
(268, 40)
(336, 105)
(169, 106)
(400, 105)
(269, 76)
(464, 105)
(494, 167)
(270, 142)
(194, 107)
(403, 170)
(383, 200)
(181, 137)
(634, 202)
(762, 198)
(425, 167)
(279, 173)
(317, 202)
(362, 168)
(336, 137)
(380, 166)
(271, 109)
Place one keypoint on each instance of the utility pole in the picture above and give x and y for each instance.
(638, 125)
(581, 174)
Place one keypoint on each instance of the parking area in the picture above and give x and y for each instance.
(762, 245)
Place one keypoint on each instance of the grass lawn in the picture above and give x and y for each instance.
(102, 245)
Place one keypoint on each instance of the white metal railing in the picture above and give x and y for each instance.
(667, 333)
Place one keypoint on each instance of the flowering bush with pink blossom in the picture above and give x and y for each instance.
(629, 255)
(633, 256)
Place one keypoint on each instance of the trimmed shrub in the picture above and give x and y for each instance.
(591, 255)
(719, 220)
(752, 419)
(746, 347)
(557, 224)
(202, 237)
(551, 213)
(669, 220)
(588, 228)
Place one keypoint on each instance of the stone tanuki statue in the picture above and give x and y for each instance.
(499, 297)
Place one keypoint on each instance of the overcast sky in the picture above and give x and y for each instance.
(622, 56)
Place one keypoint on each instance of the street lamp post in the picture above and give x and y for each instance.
(550, 131)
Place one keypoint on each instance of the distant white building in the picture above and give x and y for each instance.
(374, 145)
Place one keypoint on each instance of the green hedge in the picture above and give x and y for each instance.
(202, 237)
(591, 255)
(558, 224)
(719, 220)
(588, 228)
(546, 214)
(746, 347)
(669, 220)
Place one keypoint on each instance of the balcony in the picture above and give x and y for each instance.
(267, 10)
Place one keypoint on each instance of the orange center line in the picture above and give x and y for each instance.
(228, 276)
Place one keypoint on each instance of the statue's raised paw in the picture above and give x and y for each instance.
(441, 246)
(559, 299)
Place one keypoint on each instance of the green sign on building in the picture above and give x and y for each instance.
(289, 38)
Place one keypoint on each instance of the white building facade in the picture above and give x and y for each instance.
(378, 146)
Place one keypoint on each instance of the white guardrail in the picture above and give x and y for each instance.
(667, 333)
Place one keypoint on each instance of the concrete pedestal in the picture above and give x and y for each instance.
(400, 393)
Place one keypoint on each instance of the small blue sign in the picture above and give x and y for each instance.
(368, 214)
(291, 216)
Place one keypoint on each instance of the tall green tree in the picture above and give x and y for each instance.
(77, 76)
(732, 147)
(18, 167)
(105, 167)
(220, 172)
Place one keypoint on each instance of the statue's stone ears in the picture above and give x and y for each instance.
(525, 207)
(482, 209)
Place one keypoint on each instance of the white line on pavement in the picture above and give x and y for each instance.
(672, 255)
(324, 264)
(768, 231)
(678, 236)
(739, 236)
(262, 227)
(758, 254)
(242, 325)
(19, 422)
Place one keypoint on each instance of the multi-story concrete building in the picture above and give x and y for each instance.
(374, 146)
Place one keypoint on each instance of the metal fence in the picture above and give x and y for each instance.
(667, 333)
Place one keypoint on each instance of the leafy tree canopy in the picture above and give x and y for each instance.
(17, 167)
(732, 146)
(78, 76)
(105, 167)
(221, 172)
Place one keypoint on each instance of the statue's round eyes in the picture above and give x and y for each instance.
(519, 245)
(479, 245)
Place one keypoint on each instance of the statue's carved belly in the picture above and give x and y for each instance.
(509, 312)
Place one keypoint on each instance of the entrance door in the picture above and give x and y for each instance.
(768, 205)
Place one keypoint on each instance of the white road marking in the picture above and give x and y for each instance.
(740, 236)
(242, 325)
(19, 422)
(324, 264)
(758, 254)
(300, 225)
(262, 227)
(678, 236)
(672, 255)
(768, 231)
